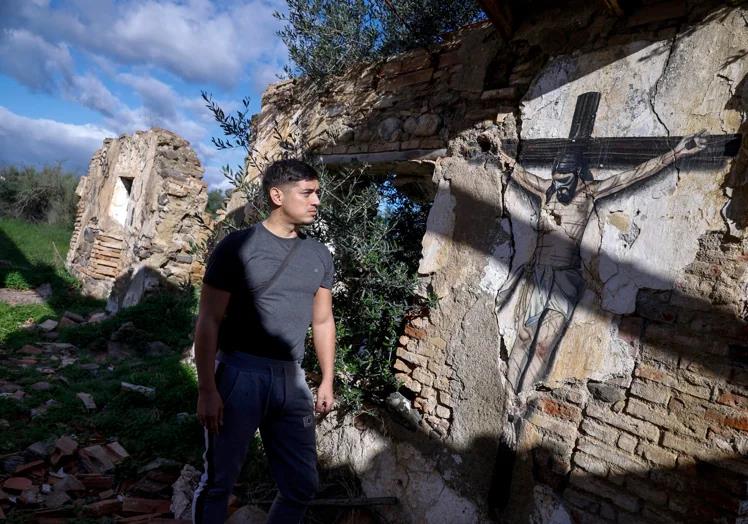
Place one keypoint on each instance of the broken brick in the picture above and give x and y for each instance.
(116, 452)
(96, 460)
(96, 482)
(17, 484)
(140, 505)
(88, 401)
(64, 447)
(102, 508)
(30, 350)
(31, 466)
(69, 483)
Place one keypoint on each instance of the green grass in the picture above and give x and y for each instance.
(32, 255)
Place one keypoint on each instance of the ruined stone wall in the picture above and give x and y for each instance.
(140, 213)
(638, 409)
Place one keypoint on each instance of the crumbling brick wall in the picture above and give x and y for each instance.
(139, 218)
(643, 415)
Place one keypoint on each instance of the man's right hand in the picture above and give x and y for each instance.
(210, 410)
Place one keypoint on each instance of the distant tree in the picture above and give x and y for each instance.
(326, 36)
(216, 198)
(38, 196)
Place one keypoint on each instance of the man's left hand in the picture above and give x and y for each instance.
(325, 398)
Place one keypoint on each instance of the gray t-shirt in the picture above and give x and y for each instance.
(273, 325)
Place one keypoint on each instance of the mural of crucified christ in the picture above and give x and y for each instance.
(551, 283)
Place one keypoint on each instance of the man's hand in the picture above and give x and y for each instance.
(325, 399)
(210, 410)
(690, 145)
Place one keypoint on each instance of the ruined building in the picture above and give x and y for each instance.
(588, 359)
(140, 216)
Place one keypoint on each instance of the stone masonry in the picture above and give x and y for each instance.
(140, 214)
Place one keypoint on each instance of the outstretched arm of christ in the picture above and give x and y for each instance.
(689, 145)
(529, 181)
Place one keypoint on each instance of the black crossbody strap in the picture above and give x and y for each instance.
(259, 292)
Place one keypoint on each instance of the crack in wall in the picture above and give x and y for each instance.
(655, 89)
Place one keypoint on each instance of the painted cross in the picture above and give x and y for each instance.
(552, 281)
(610, 152)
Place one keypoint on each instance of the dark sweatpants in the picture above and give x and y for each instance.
(271, 395)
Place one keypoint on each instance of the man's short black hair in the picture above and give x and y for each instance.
(282, 172)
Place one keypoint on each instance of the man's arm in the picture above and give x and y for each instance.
(213, 303)
(689, 145)
(323, 336)
(529, 181)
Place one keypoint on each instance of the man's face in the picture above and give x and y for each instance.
(565, 185)
(299, 201)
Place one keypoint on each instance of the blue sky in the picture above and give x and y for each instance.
(74, 72)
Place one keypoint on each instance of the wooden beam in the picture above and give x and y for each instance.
(614, 6)
(500, 14)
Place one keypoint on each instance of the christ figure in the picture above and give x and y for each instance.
(551, 283)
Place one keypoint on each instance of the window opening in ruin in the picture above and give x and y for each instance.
(120, 199)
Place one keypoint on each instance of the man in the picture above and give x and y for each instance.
(262, 288)
(552, 282)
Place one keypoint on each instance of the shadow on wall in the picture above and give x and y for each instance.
(627, 456)
(534, 484)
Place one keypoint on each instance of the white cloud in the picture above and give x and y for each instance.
(158, 98)
(30, 141)
(196, 40)
(33, 61)
(92, 93)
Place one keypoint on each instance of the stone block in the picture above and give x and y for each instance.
(423, 376)
(651, 413)
(408, 382)
(383, 147)
(441, 383)
(655, 374)
(400, 365)
(443, 412)
(432, 143)
(693, 385)
(651, 391)
(622, 421)
(415, 332)
(648, 491)
(695, 448)
(410, 144)
(437, 369)
(581, 500)
(407, 79)
(438, 343)
(590, 464)
(410, 357)
(504, 93)
(627, 442)
(449, 59)
(558, 409)
(732, 399)
(553, 425)
(423, 125)
(732, 419)
(628, 462)
(600, 431)
(606, 490)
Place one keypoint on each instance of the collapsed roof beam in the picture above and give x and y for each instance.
(614, 6)
(500, 14)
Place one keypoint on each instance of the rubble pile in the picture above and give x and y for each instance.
(56, 480)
